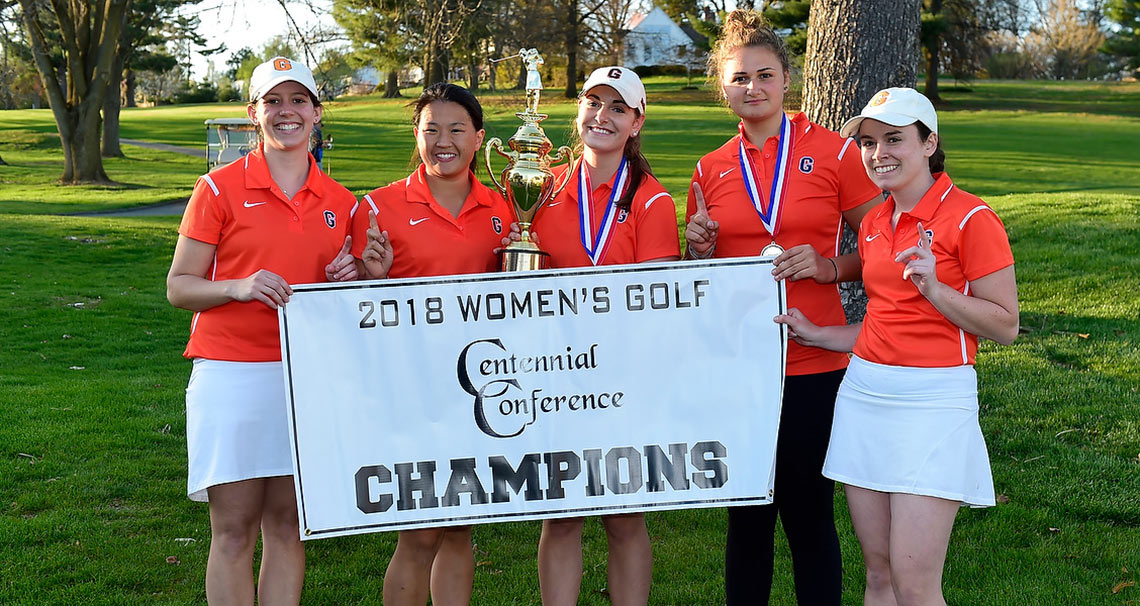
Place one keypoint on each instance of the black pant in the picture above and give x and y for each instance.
(803, 501)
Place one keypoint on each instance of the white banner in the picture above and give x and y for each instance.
(517, 396)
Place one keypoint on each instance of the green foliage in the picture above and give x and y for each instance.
(1124, 42)
(678, 9)
(237, 62)
(198, 92)
(1009, 65)
(227, 92)
(790, 19)
(277, 46)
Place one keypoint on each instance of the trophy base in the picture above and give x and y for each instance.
(523, 259)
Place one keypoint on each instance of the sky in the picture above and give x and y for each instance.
(250, 23)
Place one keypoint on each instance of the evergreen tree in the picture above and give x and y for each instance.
(1125, 41)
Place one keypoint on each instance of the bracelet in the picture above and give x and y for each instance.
(693, 253)
(836, 268)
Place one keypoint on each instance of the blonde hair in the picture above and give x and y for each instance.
(745, 28)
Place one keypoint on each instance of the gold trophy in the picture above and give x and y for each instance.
(527, 182)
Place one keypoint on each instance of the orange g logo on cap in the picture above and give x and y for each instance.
(880, 98)
(282, 64)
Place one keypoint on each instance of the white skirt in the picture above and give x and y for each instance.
(236, 425)
(910, 430)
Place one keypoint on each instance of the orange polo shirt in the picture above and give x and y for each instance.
(240, 210)
(647, 231)
(826, 178)
(902, 328)
(426, 239)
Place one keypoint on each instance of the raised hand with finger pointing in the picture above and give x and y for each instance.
(701, 231)
(343, 266)
(377, 255)
(920, 262)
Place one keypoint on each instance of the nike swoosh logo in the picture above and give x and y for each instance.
(726, 172)
(869, 238)
(415, 222)
(554, 203)
(249, 204)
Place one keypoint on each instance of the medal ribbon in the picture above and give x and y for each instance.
(770, 215)
(586, 216)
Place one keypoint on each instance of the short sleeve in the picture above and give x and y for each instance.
(855, 187)
(204, 217)
(359, 230)
(983, 245)
(691, 202)
(657, 235)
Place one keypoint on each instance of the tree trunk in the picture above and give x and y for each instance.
(520, 82)
(442, 66)
(472, 73)
(392, 85)
(82, 160)
(112, 102)
(493, 69)
(88, 72)
(932, 51)
(129, 88)
(876, 43)
(572, 25)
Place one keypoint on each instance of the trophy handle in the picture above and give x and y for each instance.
(497, 145)
(566, 153)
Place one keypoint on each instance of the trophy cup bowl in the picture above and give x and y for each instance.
(527, 183)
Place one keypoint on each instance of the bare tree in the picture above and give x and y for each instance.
(607, 27)
(89, 36)
(876, 46)
(1067, 38)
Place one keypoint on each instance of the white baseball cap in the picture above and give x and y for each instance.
(278, 70)
(623, 80)
(897, 107)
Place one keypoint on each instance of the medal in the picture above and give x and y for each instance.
(771, 213)
(772, 250)
(596, 245)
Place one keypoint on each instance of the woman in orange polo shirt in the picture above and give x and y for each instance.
(788, 181)
(613, 211)
(939, 273)
(251, 229)
(440, 220)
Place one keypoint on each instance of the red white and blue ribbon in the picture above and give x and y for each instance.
(771, 213)
(597, 242)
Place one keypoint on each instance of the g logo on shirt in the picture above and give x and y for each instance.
(929, 236)
(807, 163)
(330, 219)
(622, 214)
(497, 225)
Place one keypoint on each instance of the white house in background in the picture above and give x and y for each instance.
(654, 39)
(363, 80)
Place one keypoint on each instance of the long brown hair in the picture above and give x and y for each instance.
(638, 164)
(938, 159)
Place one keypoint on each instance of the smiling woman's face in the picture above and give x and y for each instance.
(895, 156)
(604, 121)
(447, 139)
(286, 115)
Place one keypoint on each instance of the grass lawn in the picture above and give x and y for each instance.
(999, 150)
(92, 445)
